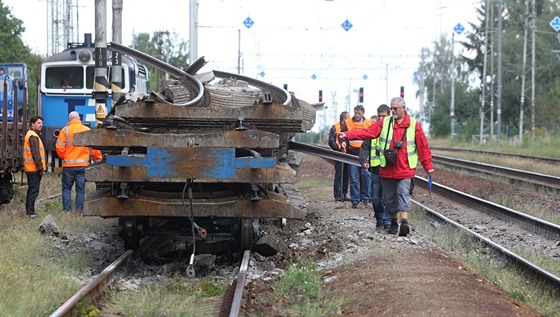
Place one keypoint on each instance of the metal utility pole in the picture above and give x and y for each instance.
(485, 58)
(533, 66)
(193, 31)
(116, 65)
(60, 25)
(452, 106)
(491, 6)
(499, 74)
(523, 67)
(100, 92)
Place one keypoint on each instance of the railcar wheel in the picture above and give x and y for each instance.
(247, 234)
(130, 234)
(6, 188)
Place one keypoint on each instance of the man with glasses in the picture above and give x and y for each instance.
(402, 135)
(370, 159)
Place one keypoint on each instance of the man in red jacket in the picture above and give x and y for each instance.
(75, 159)
(405, 137)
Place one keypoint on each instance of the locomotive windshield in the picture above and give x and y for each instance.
(72, 77)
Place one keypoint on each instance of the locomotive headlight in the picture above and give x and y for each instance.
(84, 56)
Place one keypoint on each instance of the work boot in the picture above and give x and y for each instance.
(405, 229)
(394, 228)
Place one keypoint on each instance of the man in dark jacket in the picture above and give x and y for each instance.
(34, 163)
(369, 158)
(341, 178)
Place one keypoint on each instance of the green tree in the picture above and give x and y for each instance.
(15, 51)
(164, 46)
(547, 66)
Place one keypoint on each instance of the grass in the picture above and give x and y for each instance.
(478, 259)
(298, 293)
(36, 274)
(178, 296)
(35, 277)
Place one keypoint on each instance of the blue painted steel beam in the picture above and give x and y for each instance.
(218, 163)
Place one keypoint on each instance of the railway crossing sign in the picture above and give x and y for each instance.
(555, 24)
(346, 25)
(459, 28)
(248, 22)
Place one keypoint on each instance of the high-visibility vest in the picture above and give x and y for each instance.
(74, 156)
(28, 162)
(374, 158)
(353, 125)
(338, 128)
(385, 141)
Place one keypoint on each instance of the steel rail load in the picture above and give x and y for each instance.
(200, 169)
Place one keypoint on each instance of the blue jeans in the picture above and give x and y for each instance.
(366, 185)
(340, 178)
(355, 193)
(71, 175)
(381, 214)
(33, 186)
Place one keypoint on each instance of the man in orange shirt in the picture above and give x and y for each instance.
(75, 159)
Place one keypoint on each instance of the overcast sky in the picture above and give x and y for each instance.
(291, 40)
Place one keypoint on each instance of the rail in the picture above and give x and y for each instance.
(166, 68)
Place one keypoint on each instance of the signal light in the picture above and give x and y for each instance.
(320, 96)
(402, 91)
(361, 95)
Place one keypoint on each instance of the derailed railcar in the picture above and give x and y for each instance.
(199, 172)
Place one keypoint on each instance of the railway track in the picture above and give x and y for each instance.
(231, 303)
(550, 160)
(538, 180)
(511, 233)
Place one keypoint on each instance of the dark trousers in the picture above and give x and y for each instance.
(341, 178)
(33, 185)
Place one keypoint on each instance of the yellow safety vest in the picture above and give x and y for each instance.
(385, 141)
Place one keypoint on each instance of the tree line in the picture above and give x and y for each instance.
(470, 84)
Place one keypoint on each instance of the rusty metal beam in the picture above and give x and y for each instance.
(107, 174)
(274, 206)
(218, 139)
(273, 117)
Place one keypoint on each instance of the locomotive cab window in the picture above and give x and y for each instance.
(64, 77)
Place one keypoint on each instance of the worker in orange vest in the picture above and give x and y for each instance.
(34, 163)
(360, 178)
(75, 159)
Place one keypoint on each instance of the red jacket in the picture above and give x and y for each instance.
(401, 169)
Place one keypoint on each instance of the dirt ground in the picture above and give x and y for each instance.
(376, 273)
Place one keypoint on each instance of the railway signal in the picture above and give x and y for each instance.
(361, 95)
